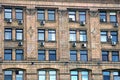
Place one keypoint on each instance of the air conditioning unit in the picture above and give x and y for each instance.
(42, 22)
(115, 25)
(8, 20)
(102, 20)
(82, 23)
(109, 38)
(20, 43)
(42, 44)
(83, 45)
(20, 22)
(113, 43)
(74, 44)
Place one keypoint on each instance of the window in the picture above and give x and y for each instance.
(8, 34)
(8, 13)
(104, 36)
(72, 16)
(7, 75)
(41, 35)
(115, 56)
(83, 36)
(51, 35)
(52, 55)
(103, 16)
(74, 75)
(7, 54)
(73, 55)
(85, 75)
(105, 56)
(51, 15)
(19, 14)
(41, 55)
(83, 55)
(106, 75)
(19, 34)
(19, 75)
(114, 35)
(113, 17)
(82, 16)
(44, 74)
(72, 35)
(41, 14)
(116, 75)
(19, 54)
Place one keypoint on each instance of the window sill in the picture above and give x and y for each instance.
(12, 40)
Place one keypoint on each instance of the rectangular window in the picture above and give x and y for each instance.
(52, 55)
(52, 75)
(74, 75)
(51, 15)
(41, 55)
(72, 35)
(105, 56)
(8, 54)
(113, 17)
(19, 54)
(83, 36)
(41, 14)
(115, 56)
(19, 75)
(73, 55)
(8, 34)
(72, 16)
(103, 16)
(106, 75)
(19, 34)
(42, 75)
(114, 35)
(83, 55)
(85, 75)
(82, 16)
(8, 13)
(51, 35)
(116, 75)
(41, 35)
(104, 36)
(19, 14)
(7, 75)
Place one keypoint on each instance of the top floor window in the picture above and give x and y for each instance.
(8, 13)
(51, 15)
(41, 14)
(103, 16)
(19, 14)
(72, 16)
(113, 17)
(82, 16)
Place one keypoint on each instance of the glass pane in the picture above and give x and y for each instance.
(8, 15)
(8, 35)
(116, 77)
(103, 38)
(82, 18)
(42, 77)
(84, 77)
(41, 17)
(8, 72)
(74, 77)
(19, 77)
(8, 56)
(8, 77)
(74, 73)
(42, 72)
(19, 16)
(51, 17)
(52, 72)
(52, 77)
(19, 36)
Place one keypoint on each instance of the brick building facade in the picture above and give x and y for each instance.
(59, 40)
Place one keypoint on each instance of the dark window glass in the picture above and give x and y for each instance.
(41, 35)
(51, 15)
(8, 34)
(105, 56)
(83, 55)
(8, 13)
(41, 55)
(7, 54)
(7, 75)
(104, 36)
(51, 35)
(19, 75)
(114, 35)
(19, 34)
(19, 14)
(113, 17)
(103, 16)
(72, 35)
(72, 16)
(74, 75)
(41, 14)
(82, 16)
(83, 36)
(115, 56)
(73, 55)
(106, 75)
(52, 55)
(19, 54)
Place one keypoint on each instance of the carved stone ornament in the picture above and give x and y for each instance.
(30, 32)
(30, 11)
(62, 12)
(93, 13)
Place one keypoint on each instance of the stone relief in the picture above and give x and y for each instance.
(93, 13)
(30, 32)
(30, 11)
